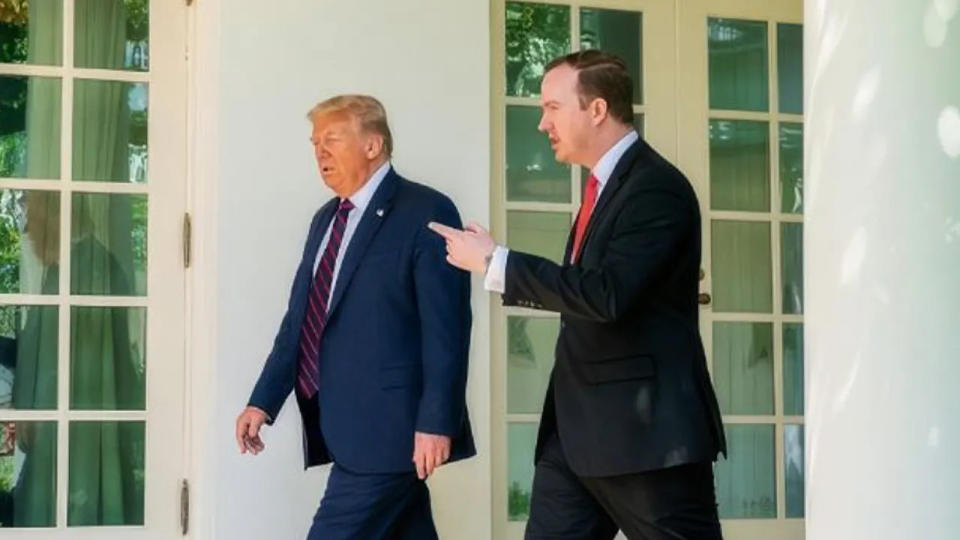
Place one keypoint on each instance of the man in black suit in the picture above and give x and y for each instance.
(630, 424)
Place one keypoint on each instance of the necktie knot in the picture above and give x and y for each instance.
(346, 205)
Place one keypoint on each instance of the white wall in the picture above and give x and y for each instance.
(428, 62)
(882, 268)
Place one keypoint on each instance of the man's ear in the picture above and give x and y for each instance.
(598, 111)
(374, 146)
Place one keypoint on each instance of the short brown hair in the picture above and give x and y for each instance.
(366, 109)
(601, 75)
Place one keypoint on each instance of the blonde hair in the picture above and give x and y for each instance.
(366, 109)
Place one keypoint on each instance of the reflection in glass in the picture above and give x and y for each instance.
(742, 267)
(791, 168)
(31, 32)
(29, 241)
(28, 474)
(28, 357)
(793, 369)
(106, 475)
(791, 266)
(530, 346)
(743, 367)
(793, 465)
(533, 174)
(738, 65)
(112, 34)
(746, 479)
(739, 165)
(107, 358)
(535, 35)
(29, 127)
(540, 233)
(790, 67)
(521, 443)
(110, 131)
(109, 244)
(619, 33)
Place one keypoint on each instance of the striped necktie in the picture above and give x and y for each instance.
(315, 320)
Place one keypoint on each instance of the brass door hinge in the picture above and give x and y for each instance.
(187, 240)
(184, 507)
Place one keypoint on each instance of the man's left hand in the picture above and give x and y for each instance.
(469, 249)
(429, 452)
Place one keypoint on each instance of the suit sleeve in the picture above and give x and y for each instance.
(280, 369)
(653, 224)
(443, 302)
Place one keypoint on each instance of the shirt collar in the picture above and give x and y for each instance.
(361, 199)
(604, 168)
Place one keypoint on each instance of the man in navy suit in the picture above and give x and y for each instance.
(375, 339)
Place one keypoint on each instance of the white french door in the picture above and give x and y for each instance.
(92, 198)
(740, 128)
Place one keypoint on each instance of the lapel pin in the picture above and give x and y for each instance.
(379, 212)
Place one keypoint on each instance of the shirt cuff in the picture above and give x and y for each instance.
(495, 280)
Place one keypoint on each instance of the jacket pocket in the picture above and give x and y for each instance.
(619, 369)
(399, 376)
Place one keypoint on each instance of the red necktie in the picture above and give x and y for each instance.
(586, 209)
(315, 320)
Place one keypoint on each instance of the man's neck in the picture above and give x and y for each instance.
(605, 141)
(368, 174)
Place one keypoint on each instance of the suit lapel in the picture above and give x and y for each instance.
(369, 224)
(613, 184)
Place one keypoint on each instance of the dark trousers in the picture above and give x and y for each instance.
(678, 503)
(373, 507)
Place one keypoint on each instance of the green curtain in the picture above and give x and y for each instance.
(35, 380)
(105, 470)
(746, 480)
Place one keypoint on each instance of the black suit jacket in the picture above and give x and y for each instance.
(630, 391)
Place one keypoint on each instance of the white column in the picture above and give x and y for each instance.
(883, 269)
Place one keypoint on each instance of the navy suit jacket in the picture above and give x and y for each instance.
(393, 358)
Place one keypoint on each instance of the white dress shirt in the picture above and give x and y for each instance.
(360, 199)
(495, 279)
